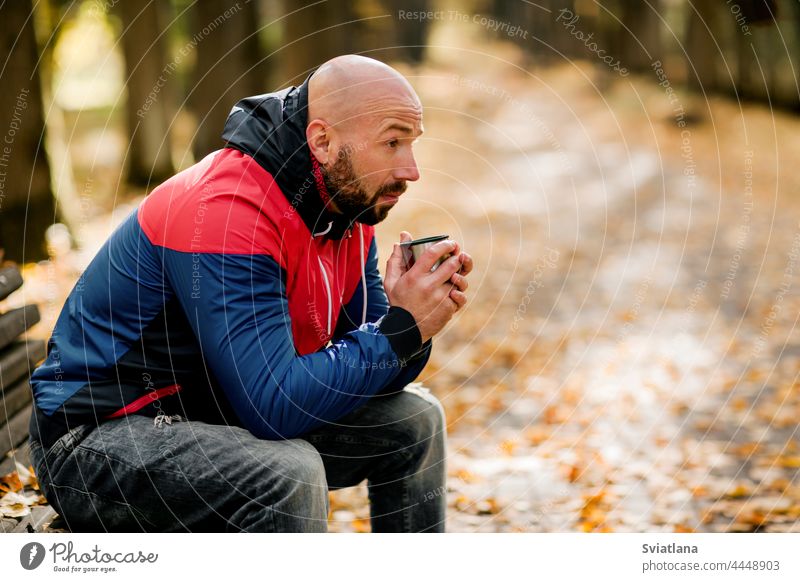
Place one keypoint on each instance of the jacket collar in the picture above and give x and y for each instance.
(271, 128)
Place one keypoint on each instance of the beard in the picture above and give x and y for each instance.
(349, 195)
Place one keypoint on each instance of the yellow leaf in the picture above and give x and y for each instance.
(536, 436)
(707, 517)
(508, 446)
(739, 491)
(14, 510)
(488, 506)
(552, 415)
(754, 518)
(780, 484)
(10, 482)
(699, 491)
(789, 462)
(740, 404)
(465, 476)
(462, 502)
(573, 473)
(746, 449)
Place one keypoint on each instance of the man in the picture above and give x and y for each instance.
(231, 353)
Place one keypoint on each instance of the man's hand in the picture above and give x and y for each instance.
(432, 298)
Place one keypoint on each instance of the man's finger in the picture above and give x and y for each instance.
(445, 271)
(430, 256)
(466, 264)
(460, 281)
(404, 252)
(396, 264)
(459, 298)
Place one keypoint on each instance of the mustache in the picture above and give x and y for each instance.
(393, 189)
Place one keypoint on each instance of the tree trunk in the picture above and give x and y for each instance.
(550, 40)
(314, 34)
(705, 39)
(27, 206)
(228, 68)
(411, 36)
(149, 113)
(641, 34)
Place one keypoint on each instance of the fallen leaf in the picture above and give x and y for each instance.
(18, 504)
(14, 510)
(462, 502)
(699, 491)
(507, 447)
(488, 506)
(740, 404)
(738, 492)
(27, 475)
(465, 476)
(789, 462)
(536, 436)
(10, 482)
(573, 473)
(746, 449)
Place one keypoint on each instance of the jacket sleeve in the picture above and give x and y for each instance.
(238, 309)
(377, 307)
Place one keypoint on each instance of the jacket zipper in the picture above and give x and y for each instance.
(328, 292)
(363, 277)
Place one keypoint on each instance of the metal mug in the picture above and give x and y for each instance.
(413, 249)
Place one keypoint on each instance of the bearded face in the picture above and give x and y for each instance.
(349, 194)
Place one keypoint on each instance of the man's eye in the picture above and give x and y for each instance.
(392, 143)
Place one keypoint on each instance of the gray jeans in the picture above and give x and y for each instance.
(135, 474)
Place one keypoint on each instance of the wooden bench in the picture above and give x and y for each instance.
(18, 358)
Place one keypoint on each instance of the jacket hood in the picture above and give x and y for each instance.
(271, 128)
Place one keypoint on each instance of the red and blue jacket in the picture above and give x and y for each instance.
(231, 295)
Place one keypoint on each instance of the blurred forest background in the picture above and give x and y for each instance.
(128, 92)
(620, 169)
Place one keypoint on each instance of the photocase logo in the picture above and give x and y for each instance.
(31, 555)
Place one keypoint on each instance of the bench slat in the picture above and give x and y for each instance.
(40, 516)
(21, 455)
(10, 281)
(18, 361)
(16, 322)
(18, 358)
(14, 399)
(15, 431)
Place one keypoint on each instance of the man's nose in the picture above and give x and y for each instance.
(408, 171)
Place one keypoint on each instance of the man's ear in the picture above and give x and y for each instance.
(318, 138)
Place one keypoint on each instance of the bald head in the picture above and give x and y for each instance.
(350, 88)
